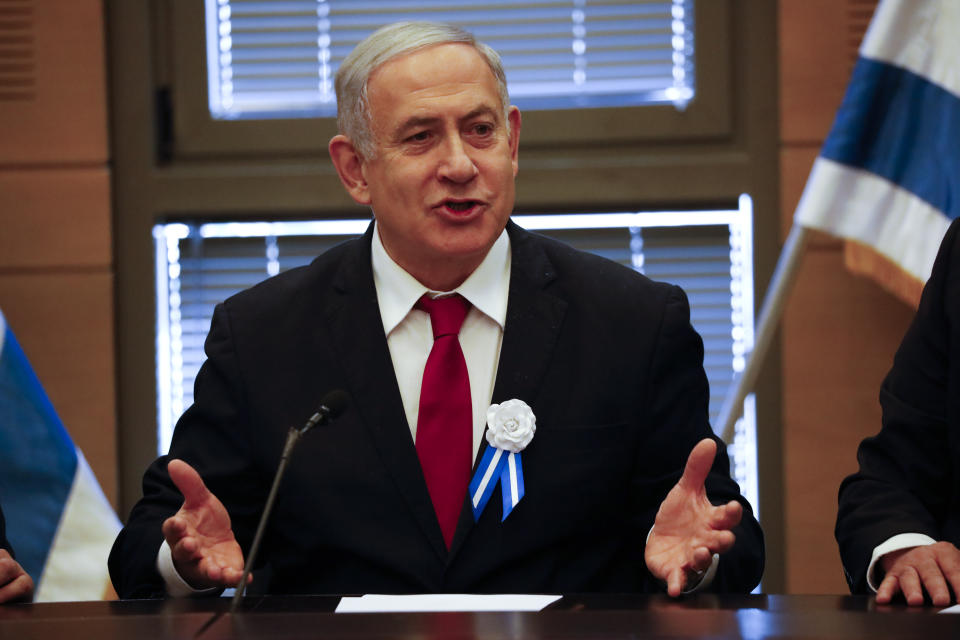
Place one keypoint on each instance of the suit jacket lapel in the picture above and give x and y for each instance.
(353, 317)
(534, 318)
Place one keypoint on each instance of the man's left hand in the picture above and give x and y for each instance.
(688, 529)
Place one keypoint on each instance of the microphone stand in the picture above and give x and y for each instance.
(292, 437)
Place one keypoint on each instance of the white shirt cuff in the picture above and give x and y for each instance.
(896, 543)
(176, 585)
(706, 578)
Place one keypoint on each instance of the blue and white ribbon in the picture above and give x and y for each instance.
(501, 466)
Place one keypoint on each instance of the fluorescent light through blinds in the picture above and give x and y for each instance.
(278, 58)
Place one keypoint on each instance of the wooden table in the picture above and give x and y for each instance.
(594, 617)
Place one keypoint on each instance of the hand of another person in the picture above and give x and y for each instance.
(204, 550)
(688, 529)
(15, 584)
(913, 570)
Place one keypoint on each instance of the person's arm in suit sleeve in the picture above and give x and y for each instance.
(213, 437)
(906, 470)
(677, 413)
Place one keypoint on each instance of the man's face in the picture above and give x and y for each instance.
(442, 183)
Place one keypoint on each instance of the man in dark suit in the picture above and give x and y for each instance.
(15, 584)
(898, 524)
(606, 360)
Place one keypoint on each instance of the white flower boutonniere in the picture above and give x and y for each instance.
(510, 429)
(511, 425)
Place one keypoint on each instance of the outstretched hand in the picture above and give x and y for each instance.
(204, 550)
(932, 568)
(688, 529)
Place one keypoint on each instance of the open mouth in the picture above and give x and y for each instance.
(465, 205)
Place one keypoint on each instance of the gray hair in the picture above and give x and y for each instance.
(383, 45)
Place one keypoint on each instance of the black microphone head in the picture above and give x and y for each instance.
(334, 403)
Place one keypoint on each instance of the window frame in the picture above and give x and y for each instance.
(152, 180)
(189, 270)
(194, 132)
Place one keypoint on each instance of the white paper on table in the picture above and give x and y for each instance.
(954, 609)
(378, 603)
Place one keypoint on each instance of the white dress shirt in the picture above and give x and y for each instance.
(410, 336)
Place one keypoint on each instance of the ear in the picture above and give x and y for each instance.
(513, 116)
(349, 165)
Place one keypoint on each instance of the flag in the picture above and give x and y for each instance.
(888, 175)
(59, 523)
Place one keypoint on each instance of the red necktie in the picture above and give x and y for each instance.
(445, 421)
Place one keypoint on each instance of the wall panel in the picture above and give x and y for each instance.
(818, 43)
(56, 248)
(54, 108)
(839, 331)
(56, 217)
(64, 323)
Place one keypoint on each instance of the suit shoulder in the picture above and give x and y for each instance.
(594, 276)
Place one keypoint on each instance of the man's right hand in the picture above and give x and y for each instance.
(913, 570)
(204, 550)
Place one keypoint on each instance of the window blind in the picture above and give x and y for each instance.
(194, 274)
(701, 259)
(705, 260)
(708, 254)
(278, 58)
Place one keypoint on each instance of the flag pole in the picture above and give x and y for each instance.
(773, 303)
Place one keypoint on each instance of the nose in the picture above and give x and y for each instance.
(456, 164)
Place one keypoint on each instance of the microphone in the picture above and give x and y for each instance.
(331, 406)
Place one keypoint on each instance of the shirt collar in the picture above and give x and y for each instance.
(486, 288)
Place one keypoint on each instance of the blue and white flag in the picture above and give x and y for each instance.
(888, 175)
(59, 523)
